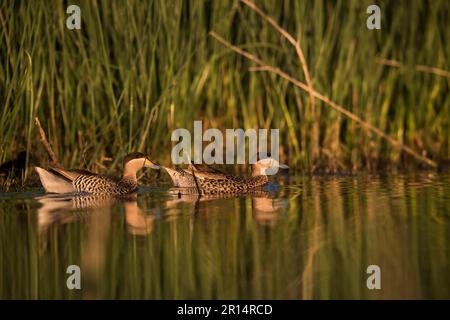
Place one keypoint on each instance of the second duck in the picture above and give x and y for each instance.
(208, 180)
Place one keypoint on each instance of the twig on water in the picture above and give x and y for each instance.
(46, 144)
(191, 165)
(197, 187)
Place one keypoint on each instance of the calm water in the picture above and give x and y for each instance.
(313, 238)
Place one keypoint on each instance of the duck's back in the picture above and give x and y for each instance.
(99, 184)
(222, 183)
(212, 181)
(89, 182)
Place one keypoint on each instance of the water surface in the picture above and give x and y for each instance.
(312, 238)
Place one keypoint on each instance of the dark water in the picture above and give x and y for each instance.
(313, 238)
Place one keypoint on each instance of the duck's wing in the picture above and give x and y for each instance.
(72, 174)
(184, 178)
(204, 171)
(204, 168)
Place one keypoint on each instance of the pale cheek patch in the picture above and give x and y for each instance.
(136, 163)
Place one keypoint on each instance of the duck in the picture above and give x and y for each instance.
(60, 180)
(204, 179)
(14, 167)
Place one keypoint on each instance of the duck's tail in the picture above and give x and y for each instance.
(54, 183)
(175, 175)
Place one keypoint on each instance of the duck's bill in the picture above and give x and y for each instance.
(283, 166)
(149, 164)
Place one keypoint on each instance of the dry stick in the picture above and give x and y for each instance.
(197, 187)
(289, 37)
(196, 182)
(324, 99)
(420, 67)
(46, 144)
(295, 43)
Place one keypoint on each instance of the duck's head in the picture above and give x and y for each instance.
(135, 161)
(138, 160)
(267, 166)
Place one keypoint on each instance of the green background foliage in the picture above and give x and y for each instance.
(139, 69)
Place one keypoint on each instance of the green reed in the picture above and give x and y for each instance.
(138, 70)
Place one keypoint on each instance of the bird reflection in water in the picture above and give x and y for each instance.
(266, 206)
(95, 219)
(96, 214)
(60, 209)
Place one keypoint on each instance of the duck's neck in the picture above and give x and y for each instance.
(130, 177)
(257, 170)
(130, 170)
(259, 180)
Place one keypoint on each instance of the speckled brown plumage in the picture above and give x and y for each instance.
(211, 181)
(59, 180)
(97, 184)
